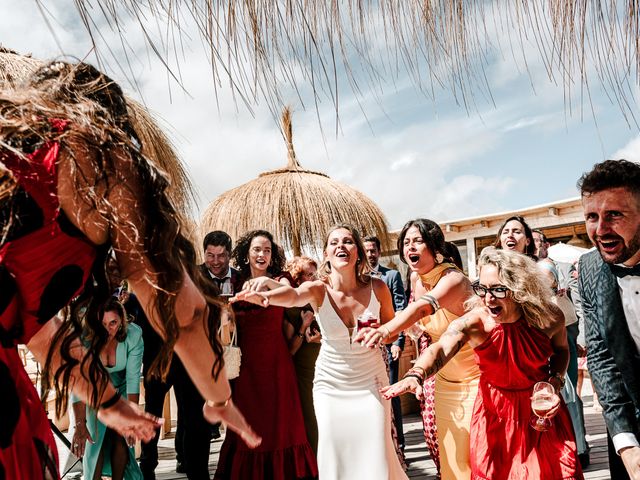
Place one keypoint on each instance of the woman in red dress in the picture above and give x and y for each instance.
(266, 390)
(75, 190)
(519, 339)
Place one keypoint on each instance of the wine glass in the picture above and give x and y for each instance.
(226, 290)
(365, 319)
(414, 332)
(543, 400)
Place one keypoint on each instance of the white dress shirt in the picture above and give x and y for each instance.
(630, 294)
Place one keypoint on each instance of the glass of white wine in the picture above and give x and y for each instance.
(543, 400)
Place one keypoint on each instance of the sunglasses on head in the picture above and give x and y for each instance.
(497, 292)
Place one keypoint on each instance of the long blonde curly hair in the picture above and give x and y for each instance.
(529, 288)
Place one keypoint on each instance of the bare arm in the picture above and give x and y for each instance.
(285, 296)
(120, 219)
(450, 292)
(559, 361)
(434, 358)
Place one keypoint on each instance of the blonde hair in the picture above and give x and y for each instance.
(529, 288)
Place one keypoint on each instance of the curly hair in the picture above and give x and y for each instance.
(530, 249)
(362, 266)
(240, 254)
(94, 104)
(296, 267)
(611, 174)
(431, 234)
(529, 288)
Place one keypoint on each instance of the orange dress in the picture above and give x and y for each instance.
(455, 390)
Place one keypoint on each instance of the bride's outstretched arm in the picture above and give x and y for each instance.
(285, 296)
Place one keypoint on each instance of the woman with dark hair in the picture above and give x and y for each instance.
(516, 235)
(266, 389)
(518, 339)
(354, 422)
(103, 450)
(440, 291)
(74, 183)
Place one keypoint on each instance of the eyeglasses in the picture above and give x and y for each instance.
(497, 292)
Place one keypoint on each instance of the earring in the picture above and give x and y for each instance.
(439, 258)
(246, 261)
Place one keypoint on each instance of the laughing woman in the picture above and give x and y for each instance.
(266, 389)
(519, 339)
(354, 421)
(440, 292)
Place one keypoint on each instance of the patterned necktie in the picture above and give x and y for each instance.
(622, 272)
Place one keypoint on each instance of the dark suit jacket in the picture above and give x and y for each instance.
(614, 363)
(236, 281)
(394, 282)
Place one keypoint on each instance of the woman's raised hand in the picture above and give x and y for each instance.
(406, 385)
(233, 419)
(128, 419)
(251, 296)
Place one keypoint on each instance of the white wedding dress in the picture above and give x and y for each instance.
(354, 421)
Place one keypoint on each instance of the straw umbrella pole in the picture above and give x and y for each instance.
(296, 205)
(156, 146)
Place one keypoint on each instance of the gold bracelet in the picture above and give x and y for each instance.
(223, 404)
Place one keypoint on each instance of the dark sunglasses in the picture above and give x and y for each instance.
(497, 292)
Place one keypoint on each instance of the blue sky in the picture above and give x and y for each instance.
(413, 155)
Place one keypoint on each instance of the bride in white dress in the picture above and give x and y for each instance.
(354, 421)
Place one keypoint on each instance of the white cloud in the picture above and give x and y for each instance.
(631, 151)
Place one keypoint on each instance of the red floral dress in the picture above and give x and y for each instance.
(44, 263)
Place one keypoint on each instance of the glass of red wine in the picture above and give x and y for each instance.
(543, 400)
(364, 320)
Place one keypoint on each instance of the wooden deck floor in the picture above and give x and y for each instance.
(419, 462)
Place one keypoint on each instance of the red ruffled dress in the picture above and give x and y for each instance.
(44, 263)
(266, 392)
(503, 445)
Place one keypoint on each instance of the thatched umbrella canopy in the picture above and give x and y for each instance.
(297, 206)
(265, 45)
(15, 68)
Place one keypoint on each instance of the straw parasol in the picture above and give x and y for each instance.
(297, 206)
(266, 45)
(15, 68)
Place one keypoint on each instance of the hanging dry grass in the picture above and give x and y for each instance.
(262, 45)
(15, 68)
(297, 206)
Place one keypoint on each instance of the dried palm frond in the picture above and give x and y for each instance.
(157, 147)
(15, 68)
(263, 46)
(297, 206)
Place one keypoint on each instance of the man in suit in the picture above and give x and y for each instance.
(217, 254)
(609, 285)
(394, 282)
